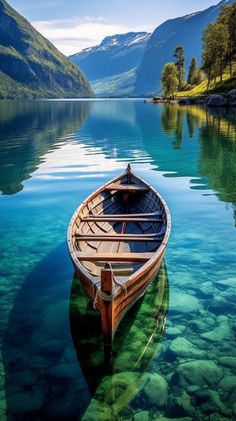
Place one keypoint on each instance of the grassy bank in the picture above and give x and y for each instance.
(226, 85)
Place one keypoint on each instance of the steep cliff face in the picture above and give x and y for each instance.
(186, 31)
(30, 66)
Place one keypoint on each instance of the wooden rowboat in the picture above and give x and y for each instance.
(117, 239)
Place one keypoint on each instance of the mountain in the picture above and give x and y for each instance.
(110, 66)
(131, 64)
(30, 66)
(186, 31)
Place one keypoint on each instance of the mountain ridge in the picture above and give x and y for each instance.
(115, 56)
(143, 78)
(30, 65)
(185, 30)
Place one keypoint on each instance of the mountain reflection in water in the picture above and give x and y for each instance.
(29, 130)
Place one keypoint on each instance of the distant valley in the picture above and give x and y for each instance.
(131, 64)
(122, 65)
(111, 66)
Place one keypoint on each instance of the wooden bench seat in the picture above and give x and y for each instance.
(114, 257)
(127, 187)
(119, 237)
(123, 218)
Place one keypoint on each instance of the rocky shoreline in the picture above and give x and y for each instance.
(212, 100)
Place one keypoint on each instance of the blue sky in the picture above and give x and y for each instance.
(73, 25)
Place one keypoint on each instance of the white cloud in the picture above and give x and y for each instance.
(73, 35)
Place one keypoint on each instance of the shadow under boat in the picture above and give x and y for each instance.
(43, 379)
(114, 384)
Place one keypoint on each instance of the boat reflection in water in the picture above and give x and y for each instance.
(115, 384)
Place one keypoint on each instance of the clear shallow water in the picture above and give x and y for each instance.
(53, 154)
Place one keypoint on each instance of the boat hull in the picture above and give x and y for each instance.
(117, 239)
(112, 312)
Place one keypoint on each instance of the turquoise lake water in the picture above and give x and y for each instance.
(175, 352)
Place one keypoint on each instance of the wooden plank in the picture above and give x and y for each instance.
(114, 257)
(106, 279)
(119, 237)
(124, 215)
(107, 310)
(114, 218)
(127, 187)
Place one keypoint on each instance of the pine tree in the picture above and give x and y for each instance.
(214, 50)
(219, 43)
(180, 62)
(192, 71)
(227, 17)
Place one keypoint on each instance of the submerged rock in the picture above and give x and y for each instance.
(3, 410)
(202, 324)
(141, 416)
(207, 288)
(24, 378)
(98, 411)
(234, 409)
(173, 331)
(181, 347)
(210, 402)
(184, 303)
(218, 417)
(228, 361)
(228, 384)
(155, 388)
(199, 372)
(118, 390)
(66, 371)
(219, 333)
(219, 305)
(65, 405)
(22, 403)
(221, 318)
(230, 296)
(230, 282)
(173, 419)
(181, 405)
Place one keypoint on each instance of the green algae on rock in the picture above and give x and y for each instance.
(142, 416)
(181, 347)
(210, 402)
(155, 387)
(199, 372)
(181, 405)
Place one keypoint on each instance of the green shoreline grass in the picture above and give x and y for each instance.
(200, 90)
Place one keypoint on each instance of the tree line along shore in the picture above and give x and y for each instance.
(214, 81)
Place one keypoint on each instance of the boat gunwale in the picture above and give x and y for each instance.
(146, 266)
